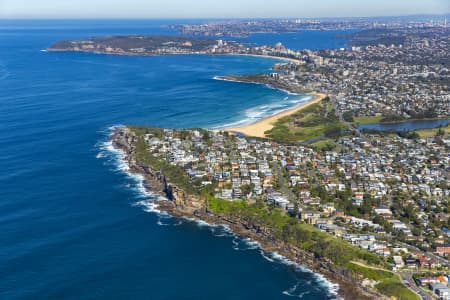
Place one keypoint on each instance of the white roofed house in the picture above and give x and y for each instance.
(385, 212)
(294, 179)
(398, 262)
(237, 193)
(236, 182)
(245, 181)
(244, 171)
(255, 180)
(437, 192)
(177, 155)
(278, 199)
(362, 222)
(258, 189)
(380, 249)
(227, 194)
(196, 174)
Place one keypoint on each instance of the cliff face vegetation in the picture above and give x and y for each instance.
(293, 231)
(167, 178)
(351, 262)
(262, 221)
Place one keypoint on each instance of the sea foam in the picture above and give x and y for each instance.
(294, 291)
(274, 257)
(116, 157)
(244, 244)
(217, 230)
(256, 113)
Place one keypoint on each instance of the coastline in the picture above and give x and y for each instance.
(182, 205)
(259, 128)
(268, 85)
(285, 59)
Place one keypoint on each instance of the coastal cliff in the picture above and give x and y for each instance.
(184, 204)
(137, 45)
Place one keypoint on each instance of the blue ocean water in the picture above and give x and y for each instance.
(73, 224)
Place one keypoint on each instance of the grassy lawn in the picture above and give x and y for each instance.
(389, 284)
(367, 120)
(311, 122)
(323, 144)
(394, 287)
(293, 231)
(360, 263)
(424, 133)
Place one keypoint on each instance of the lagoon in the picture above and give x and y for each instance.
(407, 125)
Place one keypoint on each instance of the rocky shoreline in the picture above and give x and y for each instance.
(182, 205)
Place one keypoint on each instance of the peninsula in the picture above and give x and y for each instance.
(272, 193)
(368, 209)
(153, 45)
(143, 45)
(193, 193)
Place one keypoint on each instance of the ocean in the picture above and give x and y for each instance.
(74, 224)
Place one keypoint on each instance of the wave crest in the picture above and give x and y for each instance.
(274, 257)
(116, 158)
(254, 114)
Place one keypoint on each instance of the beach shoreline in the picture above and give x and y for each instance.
(258, 128)
(268, 85)
(285, 59)
(280, 58)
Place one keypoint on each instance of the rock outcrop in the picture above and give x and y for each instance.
(182, 204)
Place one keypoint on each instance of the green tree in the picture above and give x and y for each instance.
(348, 117)
(409, 212)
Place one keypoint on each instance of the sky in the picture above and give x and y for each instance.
(217, 8)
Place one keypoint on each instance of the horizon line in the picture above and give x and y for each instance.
(220, 18)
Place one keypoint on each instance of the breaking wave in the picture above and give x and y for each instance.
(295, 291)
(244, 244)
(217, 230)
(115, 159)
(319, 279)
(259, 112)
(168, 220)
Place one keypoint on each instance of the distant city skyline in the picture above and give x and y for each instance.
(218, 9)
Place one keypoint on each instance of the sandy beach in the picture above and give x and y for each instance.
(258, 128)
(285, 59)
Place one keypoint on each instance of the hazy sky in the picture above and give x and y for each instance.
(216, 8)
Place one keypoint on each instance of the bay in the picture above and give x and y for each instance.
(72, 221)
